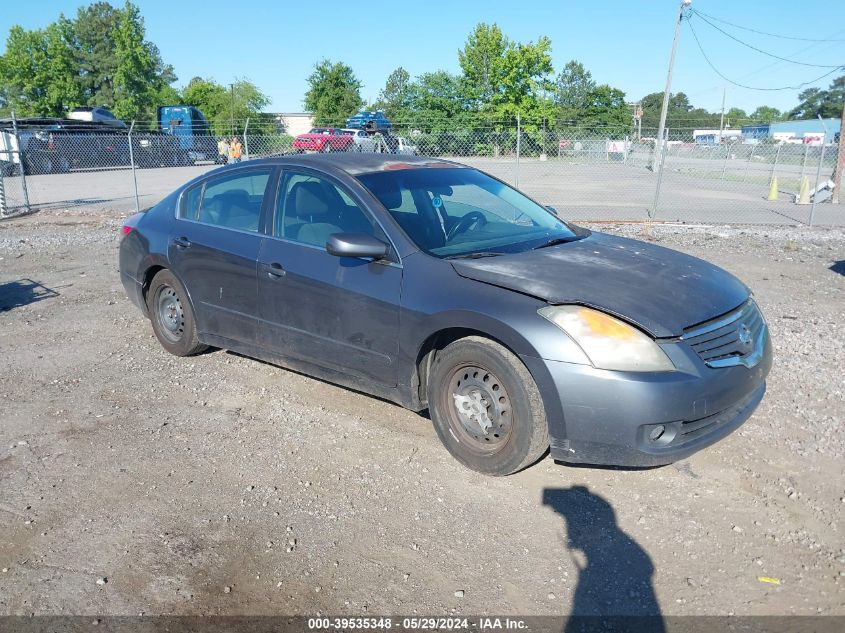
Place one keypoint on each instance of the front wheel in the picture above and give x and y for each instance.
(172, 316)
(486, 407)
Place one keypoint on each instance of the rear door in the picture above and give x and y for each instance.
(214, 248)
(337, 312)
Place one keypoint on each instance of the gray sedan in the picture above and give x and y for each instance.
(438, 287)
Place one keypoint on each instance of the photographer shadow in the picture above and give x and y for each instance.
(614, 573)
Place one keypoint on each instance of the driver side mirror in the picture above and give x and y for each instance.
(356, 245)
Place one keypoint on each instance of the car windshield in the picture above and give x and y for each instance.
(460, 212)
(319, 130)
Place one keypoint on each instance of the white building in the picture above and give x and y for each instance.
(296, 123)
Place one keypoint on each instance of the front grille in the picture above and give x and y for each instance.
(737, 338)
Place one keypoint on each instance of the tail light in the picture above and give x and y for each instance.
(130, 224)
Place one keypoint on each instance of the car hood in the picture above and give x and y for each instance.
(660, 290)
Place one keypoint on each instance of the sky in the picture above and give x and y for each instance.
(625, 44)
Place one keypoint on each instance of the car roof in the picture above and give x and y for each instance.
(356, 164)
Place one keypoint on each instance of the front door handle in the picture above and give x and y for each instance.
(182, 242)
(274, 270)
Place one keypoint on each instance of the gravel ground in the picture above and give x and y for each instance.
(134, 482)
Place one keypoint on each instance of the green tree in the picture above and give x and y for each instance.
(766, 114)
(814, 102)
(604, 107)
(437, 101)
(572, 90)
(134, 78)
(228, 107)
(393, 98)
(502, 78)
(95, 26)
(334, 93)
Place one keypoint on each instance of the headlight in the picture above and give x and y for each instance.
(608, 342)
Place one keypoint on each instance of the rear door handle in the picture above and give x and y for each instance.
(182, 242)
(274, 270)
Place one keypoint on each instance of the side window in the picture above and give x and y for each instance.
(310, 209)
(190, 203)
(235, 201)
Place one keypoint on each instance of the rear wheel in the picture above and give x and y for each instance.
(172, 316)
(486, 407)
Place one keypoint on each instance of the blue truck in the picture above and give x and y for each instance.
(189, 125)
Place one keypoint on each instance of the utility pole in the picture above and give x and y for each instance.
(232, 90)
(840, 161)
(722, 118)
(659, 145)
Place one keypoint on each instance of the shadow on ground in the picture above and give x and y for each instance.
(614, 572)
(14, 294)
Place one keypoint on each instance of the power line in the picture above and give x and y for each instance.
(731, 81)
(783, 37)
(760, 50)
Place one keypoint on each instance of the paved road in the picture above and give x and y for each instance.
(599, 191)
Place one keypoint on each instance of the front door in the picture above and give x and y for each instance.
(341, 313)
(214, 250)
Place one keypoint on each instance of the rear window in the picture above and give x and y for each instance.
(232, 201)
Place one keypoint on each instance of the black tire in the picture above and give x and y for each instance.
(172, 316)
(510, 400)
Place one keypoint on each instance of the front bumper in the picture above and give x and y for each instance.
(613, 418)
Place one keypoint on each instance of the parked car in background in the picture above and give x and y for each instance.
(95, 115)
(436, 286)
(405, 147)
(323, 139)
(363, 141)
(366, 120)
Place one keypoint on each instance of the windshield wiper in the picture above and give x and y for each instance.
(477, 255)
(557, 240)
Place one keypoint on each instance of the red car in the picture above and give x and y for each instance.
(323, 139)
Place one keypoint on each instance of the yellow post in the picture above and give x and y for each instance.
(773, 190)
(804, 191)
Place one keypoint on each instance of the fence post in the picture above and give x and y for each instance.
(20, 163)
(748, 162)
(246, 140)
(804, 164)
(774, 166)
(725, 164)
(653, 212)
(607, 150)
(132, 162)
(518, 141)
(816, 186)
(2, 194)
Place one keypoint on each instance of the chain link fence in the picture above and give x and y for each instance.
(596, 174)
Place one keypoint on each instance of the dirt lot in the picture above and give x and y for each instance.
(134, 482)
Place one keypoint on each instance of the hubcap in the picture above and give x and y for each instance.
(171, 316)
(479, 409)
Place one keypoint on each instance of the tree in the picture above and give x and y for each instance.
(766, 114)
(100, 58)
(814, 102)
(393, 98)
(134, 77)
(334, 93)
(502, 78)
(437, 101)
(572, 89)
(224, 105)
(680, 114)
(95, 26)
(604, 107)
(482, 63)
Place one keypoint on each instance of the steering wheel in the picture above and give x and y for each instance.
(473, 217)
